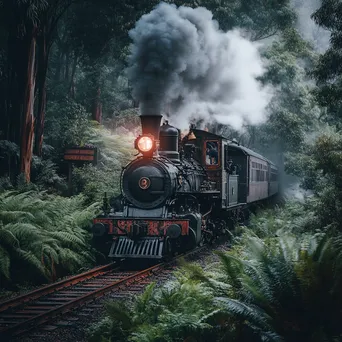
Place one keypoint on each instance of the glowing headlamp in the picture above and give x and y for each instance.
(145, 144)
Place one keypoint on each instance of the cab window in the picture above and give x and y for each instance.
(211, 157)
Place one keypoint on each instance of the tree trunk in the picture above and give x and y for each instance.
(16, 61)
(27, 128)
(67, 65)
(60, 45)
(72, 82)
(97, 107)
(59, 66)
(42, 71)
(14, 86)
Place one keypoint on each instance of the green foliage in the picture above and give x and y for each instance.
(319, 166)
(328, 70)
(43, 236)
(280, 282)
(294, 217)
(304, 166)
(126, 120)
(116, 150)
(292, 111)
(115, 94)
(172, 313)
(261, 19)
(67, 124)
(45, 176)
(292, 285)
(328, 153)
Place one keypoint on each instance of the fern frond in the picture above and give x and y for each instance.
(8, 239)
(5, 263)
(119, 312)
(244, 311)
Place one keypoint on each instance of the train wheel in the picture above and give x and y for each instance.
(207, 237)
(221, 227)
(189, 242)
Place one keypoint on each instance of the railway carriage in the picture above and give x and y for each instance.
(241, 175)
(179, 193)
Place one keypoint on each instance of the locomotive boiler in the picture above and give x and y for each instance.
(179, 193)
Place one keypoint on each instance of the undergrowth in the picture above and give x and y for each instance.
(43, 236)
(280, 282)
(115, 151)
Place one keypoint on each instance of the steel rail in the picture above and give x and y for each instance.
(32, 295)
(64, 296)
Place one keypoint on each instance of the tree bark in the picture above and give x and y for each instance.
(27, 128)
(73, 72)
(41, 83)
(97, 107)
(16, 62)
(67, 65)
(59, 66)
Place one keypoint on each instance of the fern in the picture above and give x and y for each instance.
(280, 282)
(115, 151)
(289, 285)
(44, 234)
(4, 263)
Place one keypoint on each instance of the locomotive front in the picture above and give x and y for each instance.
(147, 226)
(149, 181)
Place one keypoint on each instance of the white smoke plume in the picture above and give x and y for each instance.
(182, 63)
(307, 27)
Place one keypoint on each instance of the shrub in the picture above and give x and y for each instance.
(43, 237)
(67, 124)
(172, 313)
(274, 285)
(115, 151)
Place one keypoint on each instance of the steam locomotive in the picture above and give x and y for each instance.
(180, 193)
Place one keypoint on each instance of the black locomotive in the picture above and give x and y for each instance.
(179, 193)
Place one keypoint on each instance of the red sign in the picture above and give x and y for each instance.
(78, 157)
(81, 154)
(80, 151)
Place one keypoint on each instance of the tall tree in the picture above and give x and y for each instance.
(48, 20)
(29, 26)
(97, 39)
(20, 19)
(328, 72)
(261, 18)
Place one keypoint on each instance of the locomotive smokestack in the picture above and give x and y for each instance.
(150, 124)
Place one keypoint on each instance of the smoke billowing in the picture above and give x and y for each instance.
(307, 27)
(182, 64)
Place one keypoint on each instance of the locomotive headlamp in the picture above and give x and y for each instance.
(145, 144)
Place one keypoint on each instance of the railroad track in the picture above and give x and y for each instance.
(23, 313)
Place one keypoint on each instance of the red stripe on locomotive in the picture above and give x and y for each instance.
(123, 227)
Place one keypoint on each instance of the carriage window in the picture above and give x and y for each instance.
(211, 157)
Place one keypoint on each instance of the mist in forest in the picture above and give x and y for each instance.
(307, 27)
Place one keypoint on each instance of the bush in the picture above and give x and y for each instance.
(287, 289)
(165, 314)
(294, 217)
(115, 151)
(43, 237)
(67, 124)
(280, 282)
